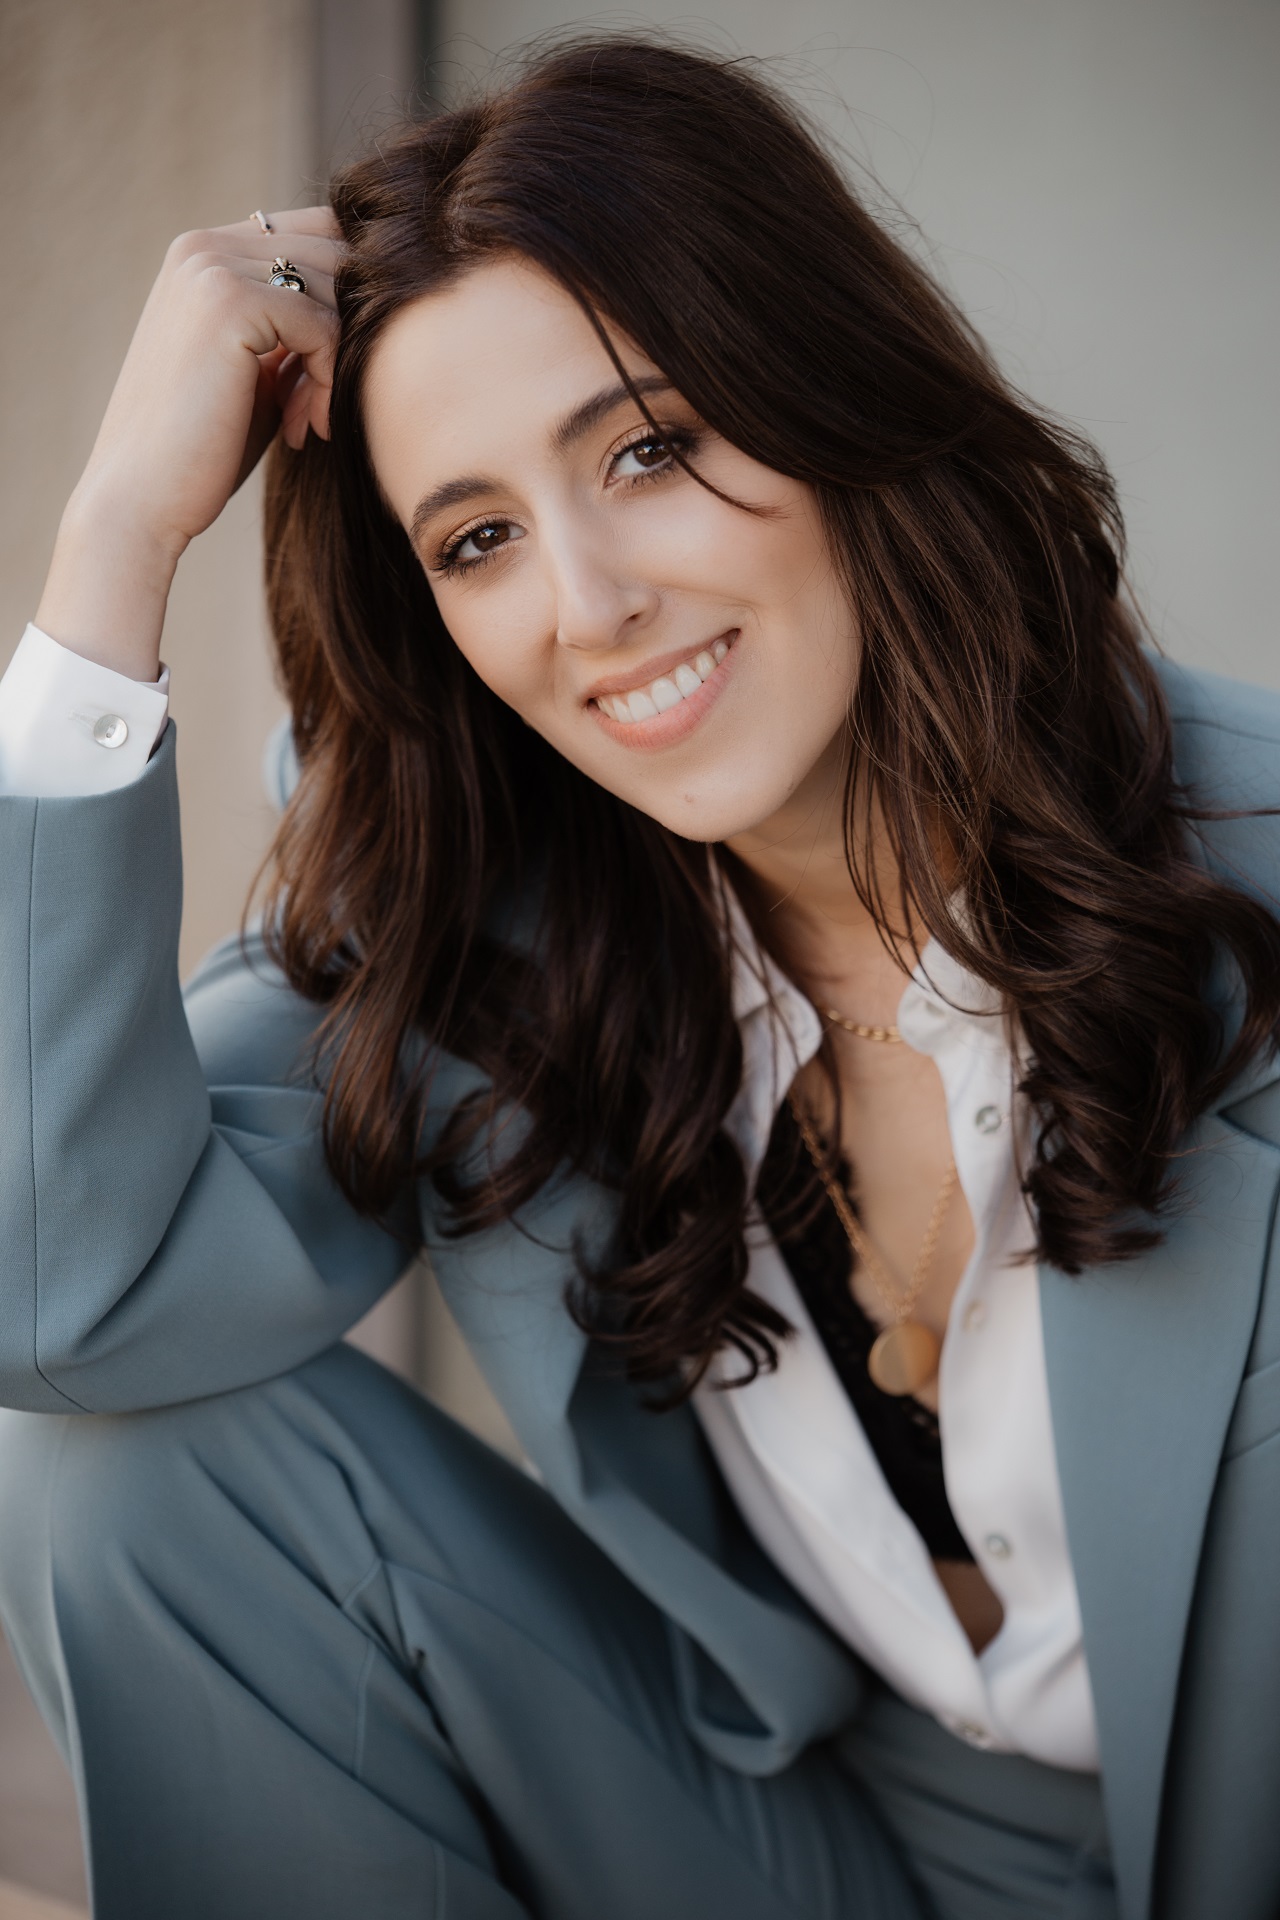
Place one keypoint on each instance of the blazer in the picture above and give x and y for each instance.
(170, 1230)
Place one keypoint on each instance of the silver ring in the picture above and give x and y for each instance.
(285, 274)
(261, 219)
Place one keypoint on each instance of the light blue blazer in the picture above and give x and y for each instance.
(169, 1230)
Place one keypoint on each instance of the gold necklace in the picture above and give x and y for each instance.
(904, 1356)
(888, 1034)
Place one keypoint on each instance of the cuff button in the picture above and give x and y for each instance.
(109, 730)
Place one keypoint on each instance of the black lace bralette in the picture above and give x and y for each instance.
(902, 1433)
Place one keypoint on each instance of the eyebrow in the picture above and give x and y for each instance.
(454, 493)
(591, 412)
(575, 425)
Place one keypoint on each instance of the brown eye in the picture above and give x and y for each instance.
(480, 544)
(485, 539)
(655, 453)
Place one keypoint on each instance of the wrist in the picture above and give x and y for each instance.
(102, 519)
(109, 582)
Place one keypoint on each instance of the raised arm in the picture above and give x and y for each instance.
(169, 1228)
(219, 358)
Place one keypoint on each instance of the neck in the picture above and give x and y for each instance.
(808, 909)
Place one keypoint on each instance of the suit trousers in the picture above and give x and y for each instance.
(312, 1650)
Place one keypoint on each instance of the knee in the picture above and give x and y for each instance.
(30, 1447)
(317, 1476)
(77, 1496)
(79, 1490)
(92, 1504)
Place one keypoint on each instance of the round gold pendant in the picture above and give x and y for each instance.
(904, 1358)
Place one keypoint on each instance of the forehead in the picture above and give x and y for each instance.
(494, 358)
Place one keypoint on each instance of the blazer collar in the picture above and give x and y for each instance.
(1144, 1362)
(644, 1488)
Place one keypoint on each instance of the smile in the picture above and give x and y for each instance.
(667, 691)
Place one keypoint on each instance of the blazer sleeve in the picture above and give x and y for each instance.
(168, 1225)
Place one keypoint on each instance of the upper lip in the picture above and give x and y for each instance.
(654, 668)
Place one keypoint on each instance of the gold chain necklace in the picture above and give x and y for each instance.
(905, 1356)
(888, 1034)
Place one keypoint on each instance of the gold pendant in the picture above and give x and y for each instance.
(904, 1358)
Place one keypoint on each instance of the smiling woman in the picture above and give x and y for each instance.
(583, 571)
(752, 908)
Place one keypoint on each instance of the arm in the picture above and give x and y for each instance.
(171, 1229)
(219, 362)
(165, 1234)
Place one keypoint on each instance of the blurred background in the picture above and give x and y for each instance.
(1096, 180)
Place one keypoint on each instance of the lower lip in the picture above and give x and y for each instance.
(665, 729)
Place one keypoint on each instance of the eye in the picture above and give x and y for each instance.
(477, 543)
(495, 533)
(647, 454)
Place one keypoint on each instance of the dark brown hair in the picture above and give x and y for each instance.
(1002, 691)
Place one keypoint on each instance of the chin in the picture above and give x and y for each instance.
(714, 815)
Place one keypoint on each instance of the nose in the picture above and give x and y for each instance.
(599, 599)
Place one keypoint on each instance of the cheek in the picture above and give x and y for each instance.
(496, 637)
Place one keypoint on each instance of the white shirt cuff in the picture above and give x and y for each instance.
(69, 727)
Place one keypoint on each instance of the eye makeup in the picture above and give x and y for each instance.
(451, 561)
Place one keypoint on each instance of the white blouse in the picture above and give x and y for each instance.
(790, 1445)
(794, 1453)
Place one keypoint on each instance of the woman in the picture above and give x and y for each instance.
(754, 910)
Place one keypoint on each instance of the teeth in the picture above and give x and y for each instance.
(667, 691)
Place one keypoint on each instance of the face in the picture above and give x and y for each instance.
(694, 658)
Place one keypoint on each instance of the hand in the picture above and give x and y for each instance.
(218, 362)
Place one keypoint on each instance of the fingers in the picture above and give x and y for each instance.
(299, 220)
(245, 272)
(292, 333)
(306, 405)
(303, 402)
(304, 377)
(306, 326)
(316, 261)
(303, 248)
(244, 250)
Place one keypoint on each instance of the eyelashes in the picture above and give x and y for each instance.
(678, 445)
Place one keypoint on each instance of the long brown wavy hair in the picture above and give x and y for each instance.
(1002, 690)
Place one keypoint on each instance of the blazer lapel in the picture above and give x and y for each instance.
(506, 1289)
(758, 1675)
(1144, 1362)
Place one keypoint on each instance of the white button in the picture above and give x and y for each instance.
(988, 1119)
(997, 1546)
(109, 730)
(975, 1316)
